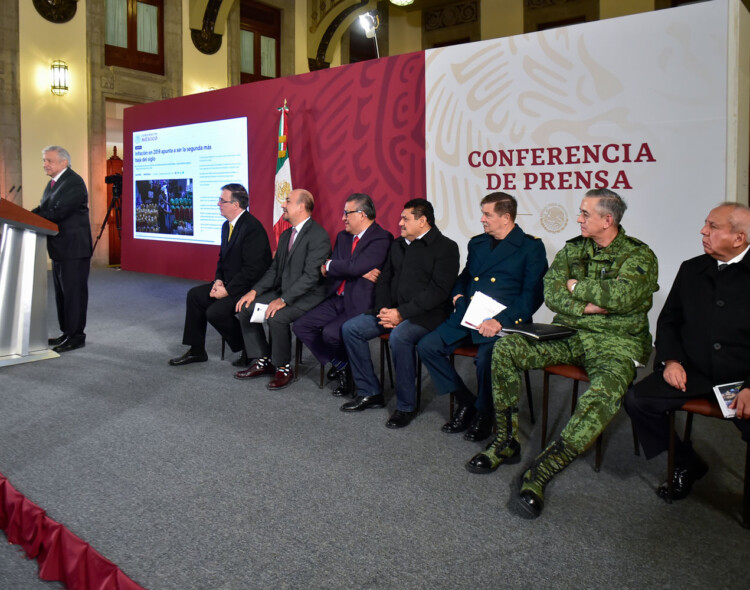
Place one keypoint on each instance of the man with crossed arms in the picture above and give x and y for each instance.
(352, 271)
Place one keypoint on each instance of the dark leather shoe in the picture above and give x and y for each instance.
(528, 504)
(55, 341)
(333, 373)
(462, 418)
(344, 388)
(481, 428)
(282, 379)
(256, 370)
(70, 344)
(400, 419)
(363, 402)
(486, 463)
(242, 361)
(188, 358)
(683, 480)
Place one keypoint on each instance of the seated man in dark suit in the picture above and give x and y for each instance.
(702, 340)
(65, 202)
(243, 258)
(412, 297)
(353, 268)
(291, 286)
(503, 263)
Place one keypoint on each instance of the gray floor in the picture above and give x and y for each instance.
(187, 478)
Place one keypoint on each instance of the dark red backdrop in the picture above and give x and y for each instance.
(357, 128)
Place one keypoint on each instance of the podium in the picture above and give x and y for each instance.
(23, 285)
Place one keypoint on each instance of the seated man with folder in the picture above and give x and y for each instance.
(702, 340)
(601, 284)
(505, 265)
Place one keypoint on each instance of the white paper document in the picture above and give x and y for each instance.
(259, 313)
(482, 307)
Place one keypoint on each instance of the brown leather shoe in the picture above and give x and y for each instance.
(283, 378)
(257, 369)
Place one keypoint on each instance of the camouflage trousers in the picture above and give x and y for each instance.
(609, 375)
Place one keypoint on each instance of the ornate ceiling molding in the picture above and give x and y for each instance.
(452, 15)
(319, 62)
(536, 4)
(205, 40)
(56, 11)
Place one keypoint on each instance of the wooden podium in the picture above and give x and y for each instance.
(23, 285)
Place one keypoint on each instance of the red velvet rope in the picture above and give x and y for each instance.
(62, 556)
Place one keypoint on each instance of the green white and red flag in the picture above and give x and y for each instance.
(283, 184)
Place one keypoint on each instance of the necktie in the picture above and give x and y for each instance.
(231, 229)
(291, 239)
(52, 184)
(722, 266)
(340, 290)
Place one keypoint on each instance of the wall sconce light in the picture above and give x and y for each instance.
(59, 73)
(370, 21)
(402, 2)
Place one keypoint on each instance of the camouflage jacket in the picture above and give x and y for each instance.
(621, 278)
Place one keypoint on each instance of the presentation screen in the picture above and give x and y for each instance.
(178, 173)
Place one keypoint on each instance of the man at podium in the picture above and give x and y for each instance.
(65, 202)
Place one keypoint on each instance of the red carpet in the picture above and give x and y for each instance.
(62, 556)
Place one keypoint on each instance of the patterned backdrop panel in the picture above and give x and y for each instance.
(357, 128)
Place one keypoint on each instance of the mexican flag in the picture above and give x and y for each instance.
(283, 184)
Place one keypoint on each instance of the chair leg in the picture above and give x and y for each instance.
(390, 365)
(636, 445)
(574, 399)
(223, 347)
(297, 358)
(322, 376)
(688, 427)
(450, 405)
(419, 383)
(383, 352)
(528, 397)
(545, 402)
(670, 458)
(598, 461)
(746, 493)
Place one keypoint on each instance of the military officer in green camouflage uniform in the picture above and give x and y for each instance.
(601, 283)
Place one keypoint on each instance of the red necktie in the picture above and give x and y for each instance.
(52, 184)
(340, 290)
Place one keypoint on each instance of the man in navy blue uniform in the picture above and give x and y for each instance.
(507, 265)
(352, 270)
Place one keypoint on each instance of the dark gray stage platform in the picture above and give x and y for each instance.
(187, 478)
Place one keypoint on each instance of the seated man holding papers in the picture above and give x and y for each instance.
(503, 281)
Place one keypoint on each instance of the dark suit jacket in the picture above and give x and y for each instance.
(511, 274)
(244, 259)
(705, 325)
(417, 279)
(67, 206)
(295, 275)
(370, 253)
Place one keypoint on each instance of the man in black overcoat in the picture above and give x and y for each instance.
(65, 202)
(244, 256)
(412, 297)
(702, 340)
